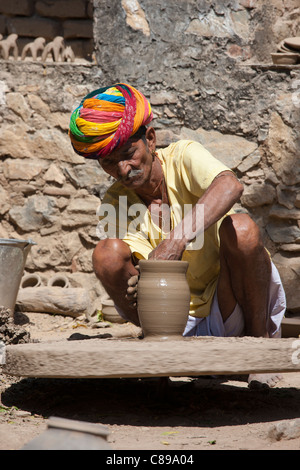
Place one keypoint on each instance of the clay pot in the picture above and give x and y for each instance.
(286, 58)
(163, 298)
(59, 280)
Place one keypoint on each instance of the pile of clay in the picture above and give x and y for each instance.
(10, 333)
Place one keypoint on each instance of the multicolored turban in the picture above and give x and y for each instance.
(106, 118)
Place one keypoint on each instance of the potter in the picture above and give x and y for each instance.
(235, 289)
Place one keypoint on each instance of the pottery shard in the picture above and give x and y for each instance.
(229, 149)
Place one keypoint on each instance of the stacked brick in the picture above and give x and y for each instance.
(29, 19)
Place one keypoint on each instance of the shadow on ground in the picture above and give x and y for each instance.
(203, 401)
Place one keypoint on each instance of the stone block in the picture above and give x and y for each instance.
(279, 212)
(17, 103)
(70, 222)
(89, 175)
(230, 149)
(46, 254)
(281, 233)
(38, 105)
(34, 27)
(257, 195)
(87, 205)
(2, 25)
(61, 8)
(163, 97)
(221, 26)
(135, 16)
(61, 120)
(51, 143)
(249, 162)
(17, 7)
(282, 152)
(17, 169)
(35, 213)
(78, 29)
(4, 201)
(285, 430)
(289, 270)
(54, 175)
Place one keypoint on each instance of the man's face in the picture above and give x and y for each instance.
(131, 164)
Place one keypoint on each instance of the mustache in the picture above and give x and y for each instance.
(130, 175)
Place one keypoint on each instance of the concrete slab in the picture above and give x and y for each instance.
(135, 357)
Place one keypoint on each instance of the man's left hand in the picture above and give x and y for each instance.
(169, 249)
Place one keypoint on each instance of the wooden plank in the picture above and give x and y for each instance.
(148, 358)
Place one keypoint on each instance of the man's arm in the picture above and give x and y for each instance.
(224, 191)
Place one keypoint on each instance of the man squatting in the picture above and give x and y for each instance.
(235, 287)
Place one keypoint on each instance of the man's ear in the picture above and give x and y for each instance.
(151, 138)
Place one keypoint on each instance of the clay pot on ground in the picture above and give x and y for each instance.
(59, 280)
(285, 58)
(163, 298)
(30, 280)
(109, 312)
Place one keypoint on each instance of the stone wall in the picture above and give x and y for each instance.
(207, 72)
(30, 19)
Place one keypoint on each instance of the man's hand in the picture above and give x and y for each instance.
(131, 294)
(169, 249)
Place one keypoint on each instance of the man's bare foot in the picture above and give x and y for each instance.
(263, 381)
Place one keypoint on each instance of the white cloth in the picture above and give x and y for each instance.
(213, 325)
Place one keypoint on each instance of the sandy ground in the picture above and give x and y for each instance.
(183, 414)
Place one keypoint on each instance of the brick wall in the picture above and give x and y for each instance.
(72, 19)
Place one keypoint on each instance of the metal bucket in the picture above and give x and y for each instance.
(13, 254)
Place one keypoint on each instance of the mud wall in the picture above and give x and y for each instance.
(207, 71)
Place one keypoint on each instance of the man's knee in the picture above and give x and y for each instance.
(109, 256)
(240, 234)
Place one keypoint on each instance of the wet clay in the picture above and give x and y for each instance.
(163, 298)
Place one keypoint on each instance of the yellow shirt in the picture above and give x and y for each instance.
(189, 169)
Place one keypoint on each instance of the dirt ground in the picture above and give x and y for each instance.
(185, 413)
